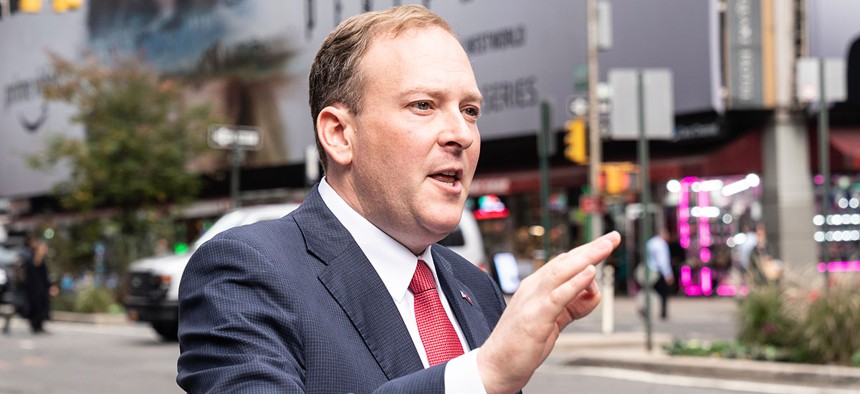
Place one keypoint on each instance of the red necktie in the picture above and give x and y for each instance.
(437, 333)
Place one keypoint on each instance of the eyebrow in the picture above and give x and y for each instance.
(476, 96)
(435, 92)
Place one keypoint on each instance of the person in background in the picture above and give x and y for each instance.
(659, 262)
(763, 268)
(351, 291)
(745, 251)
(37, 285)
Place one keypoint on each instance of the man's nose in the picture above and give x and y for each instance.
(457, 130)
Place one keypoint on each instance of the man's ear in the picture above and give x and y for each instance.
(334, 129)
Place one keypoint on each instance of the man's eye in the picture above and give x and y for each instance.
(422, 105)
(472, 111)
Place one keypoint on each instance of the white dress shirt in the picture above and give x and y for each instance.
(395, 265)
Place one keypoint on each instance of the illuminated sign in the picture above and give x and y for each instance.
(490, 207)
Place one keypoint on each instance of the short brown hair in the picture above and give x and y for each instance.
(334, 77)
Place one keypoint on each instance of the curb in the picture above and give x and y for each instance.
(629, 340)
(89, 318)
(821, 375)
(626, 351)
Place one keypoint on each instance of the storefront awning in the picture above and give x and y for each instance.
(519, 181)
(845, 146)
(740, 156)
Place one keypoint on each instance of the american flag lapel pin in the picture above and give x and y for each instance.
(466, 297)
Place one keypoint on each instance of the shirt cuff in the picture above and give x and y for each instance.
(461, 375)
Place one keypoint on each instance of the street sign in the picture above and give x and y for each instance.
(653, 112)
(580, 78)
(225, 137)
(809, 76)
(577, 105)
(604, 25)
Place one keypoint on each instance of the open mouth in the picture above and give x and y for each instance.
(449, 177)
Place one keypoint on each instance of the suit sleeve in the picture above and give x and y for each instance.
(232, 334)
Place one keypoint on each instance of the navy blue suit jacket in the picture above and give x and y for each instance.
(293, 305)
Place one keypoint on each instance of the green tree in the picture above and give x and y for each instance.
(134, 160)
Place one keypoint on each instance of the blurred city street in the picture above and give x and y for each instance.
(129, 357)
(720, 139)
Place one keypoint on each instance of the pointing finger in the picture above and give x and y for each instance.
(565, 266)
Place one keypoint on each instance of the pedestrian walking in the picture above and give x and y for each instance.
(764, 268)
(745, 250)
(658, 261)
(37, 285)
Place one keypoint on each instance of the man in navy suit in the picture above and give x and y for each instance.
(322, 300)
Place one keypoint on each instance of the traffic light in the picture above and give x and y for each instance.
(65, 5)
(575, 141)
(618, 178)
(30, 6)
(35, 6)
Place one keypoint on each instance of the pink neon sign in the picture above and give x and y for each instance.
(684, 212)
(839, 266)
(705, 280)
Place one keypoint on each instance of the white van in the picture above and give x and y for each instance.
(153, 283)
(467, 241)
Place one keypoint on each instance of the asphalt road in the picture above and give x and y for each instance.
(83, 358)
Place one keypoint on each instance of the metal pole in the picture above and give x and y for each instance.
(594, 147)
(645, 200)
(4, 4)
(235, 164)
(608, 292)
(824, 164)
(543, 150)
(595, 157)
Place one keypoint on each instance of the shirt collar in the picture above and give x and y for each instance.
(393, 262)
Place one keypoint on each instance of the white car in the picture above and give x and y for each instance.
(8, 258)
(467, 241)
(153, 283)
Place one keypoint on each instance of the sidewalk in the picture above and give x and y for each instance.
(90, 318)
(625, 347)
(583, 344)
(626, 351)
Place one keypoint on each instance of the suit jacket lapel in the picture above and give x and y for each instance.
(352, 282)
(466, 310)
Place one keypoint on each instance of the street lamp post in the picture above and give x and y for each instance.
(824, 164)
(822, 80)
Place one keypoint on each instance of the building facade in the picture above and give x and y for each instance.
(735, 111)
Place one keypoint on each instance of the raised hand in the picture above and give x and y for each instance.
(547, 301)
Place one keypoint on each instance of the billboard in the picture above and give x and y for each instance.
(834, 33)
(251, 60)
(748, 47)
(25, 118)
(832, 27)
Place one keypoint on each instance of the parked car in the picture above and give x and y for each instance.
(8, 258)
(467, 241)
(9, 290)
(153, 282)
